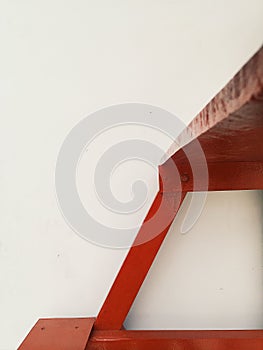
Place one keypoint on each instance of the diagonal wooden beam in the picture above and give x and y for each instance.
(138, 261)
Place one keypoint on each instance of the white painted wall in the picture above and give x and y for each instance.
(60, 61)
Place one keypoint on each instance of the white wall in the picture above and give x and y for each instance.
(60, 61)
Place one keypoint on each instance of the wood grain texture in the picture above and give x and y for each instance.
(245, 86)
(228, 138)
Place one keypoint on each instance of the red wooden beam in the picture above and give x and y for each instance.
(179, 340)
(223, 176)
(230, 132)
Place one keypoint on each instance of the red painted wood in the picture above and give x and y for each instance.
(179, 340)
(236, 138)
(138, 262)
(244, 87)
(59, 334)
(230, 131)
(223, 176)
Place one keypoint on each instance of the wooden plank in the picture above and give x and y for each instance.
(231, 144)
(245, 86)
(59, 334)
(236, 138)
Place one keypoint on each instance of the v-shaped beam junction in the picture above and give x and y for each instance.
(222, 149)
